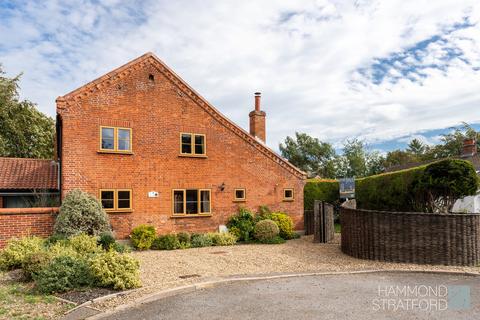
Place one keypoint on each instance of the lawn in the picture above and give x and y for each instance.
(338, 228)
(19, 301)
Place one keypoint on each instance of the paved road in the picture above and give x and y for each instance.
(359, 296)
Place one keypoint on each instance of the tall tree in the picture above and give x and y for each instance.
(398, 158)
(309, 154)
(25, 132)
(358, 161)
(416, 147)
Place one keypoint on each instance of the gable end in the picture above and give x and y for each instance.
(71, 99)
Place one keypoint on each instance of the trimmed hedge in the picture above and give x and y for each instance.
(392, 191)
(416, 189)
(319, 189)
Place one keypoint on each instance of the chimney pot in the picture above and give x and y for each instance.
(257, 120)
(258, 96)
(469, 148)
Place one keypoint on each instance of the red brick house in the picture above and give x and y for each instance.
(154, 151)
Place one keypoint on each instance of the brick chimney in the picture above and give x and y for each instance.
(469, 148)
(257, 120)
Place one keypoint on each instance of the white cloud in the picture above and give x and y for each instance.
(303, 56)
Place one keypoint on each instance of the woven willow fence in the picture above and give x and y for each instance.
(424, 238)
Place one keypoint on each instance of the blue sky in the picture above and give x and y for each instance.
(382, 71)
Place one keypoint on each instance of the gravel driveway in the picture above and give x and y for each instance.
(352, 296)
(165, 269)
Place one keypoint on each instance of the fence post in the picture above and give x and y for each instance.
(317, 208)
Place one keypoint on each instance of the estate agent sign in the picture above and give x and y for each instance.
(347, 188)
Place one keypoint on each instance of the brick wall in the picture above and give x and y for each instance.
(19, 222)
(158, 111)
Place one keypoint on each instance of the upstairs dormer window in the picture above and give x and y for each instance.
(192, 144)
(115, 139)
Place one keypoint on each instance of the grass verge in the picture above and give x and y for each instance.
(18, 301)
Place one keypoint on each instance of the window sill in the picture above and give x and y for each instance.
(115, 152)
(240, 200)
(202, 156)
(288, 200)
(119, 211)
(197, 215)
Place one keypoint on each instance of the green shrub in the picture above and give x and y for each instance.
(222, 238)
(266, 230)
(284, 223)
(84, 244)
(106, 240)
(184, 238)
(120, 248)
(318, 189)
(275, 240)
(166, 242)
(17, 250)
(234, 231)
(54, 238)
(63, 273)
(63, 248)
(201, 240)
(262, 212)
(143, 237)
(429, 188)
(81, 213)
(114, 270)
(35, 262)
(241, 224)
(444, 182)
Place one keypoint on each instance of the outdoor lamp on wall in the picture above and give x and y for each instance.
(222, 186)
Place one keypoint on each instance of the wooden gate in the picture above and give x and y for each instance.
(323, 222)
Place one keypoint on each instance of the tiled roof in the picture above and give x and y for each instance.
(20, 173)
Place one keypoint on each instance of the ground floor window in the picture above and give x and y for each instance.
(239, 194)
(288, 194)
(116, 199)
(191, 201)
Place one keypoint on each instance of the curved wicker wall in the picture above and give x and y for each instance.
(424, 238)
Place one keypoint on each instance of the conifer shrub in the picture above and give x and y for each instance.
(81, 213)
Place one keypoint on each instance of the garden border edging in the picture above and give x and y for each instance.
(162, 294)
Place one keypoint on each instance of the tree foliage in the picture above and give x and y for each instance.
(25, 132)
(444, 182)
(357, 160)
(309, 154)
